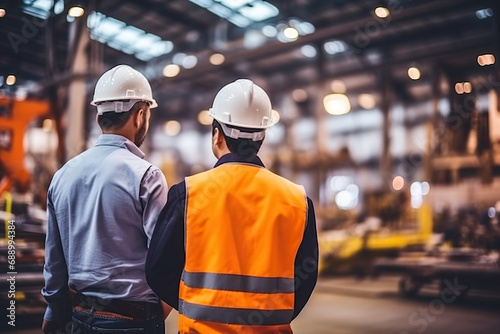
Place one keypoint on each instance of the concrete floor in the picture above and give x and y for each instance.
(349, 306)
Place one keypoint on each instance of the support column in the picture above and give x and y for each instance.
(386, 159)
(77, 95)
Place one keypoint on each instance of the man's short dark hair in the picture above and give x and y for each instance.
(241, 146)
(116, 120)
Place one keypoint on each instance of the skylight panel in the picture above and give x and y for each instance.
(239, 12)
(234, 4)
(38, 8)
(129, 35)
(259, 11)
(126, 38)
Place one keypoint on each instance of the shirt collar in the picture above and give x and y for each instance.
(234, 157)
(119, 141)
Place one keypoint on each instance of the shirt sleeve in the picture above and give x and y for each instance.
(166, 254)
(153, 195)
(55, 272)
(306, 262)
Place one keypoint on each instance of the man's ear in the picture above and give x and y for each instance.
(138, 117)
(218, 137)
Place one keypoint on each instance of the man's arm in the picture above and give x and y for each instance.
(153, 195)
(306, 262)
(166, 254)
(55, 274)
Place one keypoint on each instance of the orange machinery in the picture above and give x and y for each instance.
(15, 116)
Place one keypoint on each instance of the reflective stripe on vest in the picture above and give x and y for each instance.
(244, 226)
(238, 282)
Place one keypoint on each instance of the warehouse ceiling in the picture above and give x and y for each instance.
(338, 39)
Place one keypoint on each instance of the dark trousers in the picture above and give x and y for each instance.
(89, 321)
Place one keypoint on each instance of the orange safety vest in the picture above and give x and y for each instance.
(244, 226)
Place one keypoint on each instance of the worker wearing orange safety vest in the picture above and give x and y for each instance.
(235, 248)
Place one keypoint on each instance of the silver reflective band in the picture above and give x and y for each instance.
(235, 316)
(116, 106)
(230, 282)
(236, 134)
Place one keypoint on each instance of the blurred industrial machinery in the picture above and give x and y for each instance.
(354, 248)
(22, 201)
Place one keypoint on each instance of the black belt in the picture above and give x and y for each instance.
(139, 311)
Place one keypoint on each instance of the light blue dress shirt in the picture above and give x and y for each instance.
(102, 208)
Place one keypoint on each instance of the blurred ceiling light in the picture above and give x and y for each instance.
(217, 59)
(172, 128)
(204, 118)
(171, 70)
(178, 58)
(484, 13)
(291, 33)
(467, 87)
(463, 87)
(2, 12)
(334, 47)
(76, 11)
(189, 61)
(269, 31)
(416, 189)
(486, 59)
(308, 51)
(426, 187)
(275, 115)
(382, 12)
(305, 28)
(337, 104)
(48, 125)
(59, 7)
(398, 183)
(338, 86)
(414, 73)
(239, 12)
(367, 101)
(253, 39)
(299, 95)
(11, 79)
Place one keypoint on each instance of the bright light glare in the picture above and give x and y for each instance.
(2, 12)
(398, 183)
(291, 33)
(426, 187)
(11, 79)
(308, 51)
(492, 212)
(414, 73)
(337, 104)
(204, 118)
(334, 47)
(48, 125)
(486, 59)
(217, 59)
(367, 101)
(171, 70)
(76, 11)
(338, 86)
(189, 61)
(382, 12)
(172, 128)
(299, 95)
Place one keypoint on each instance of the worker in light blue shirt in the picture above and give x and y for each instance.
(102, 209)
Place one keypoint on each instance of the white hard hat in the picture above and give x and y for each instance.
(243, 104)
(120, 83)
